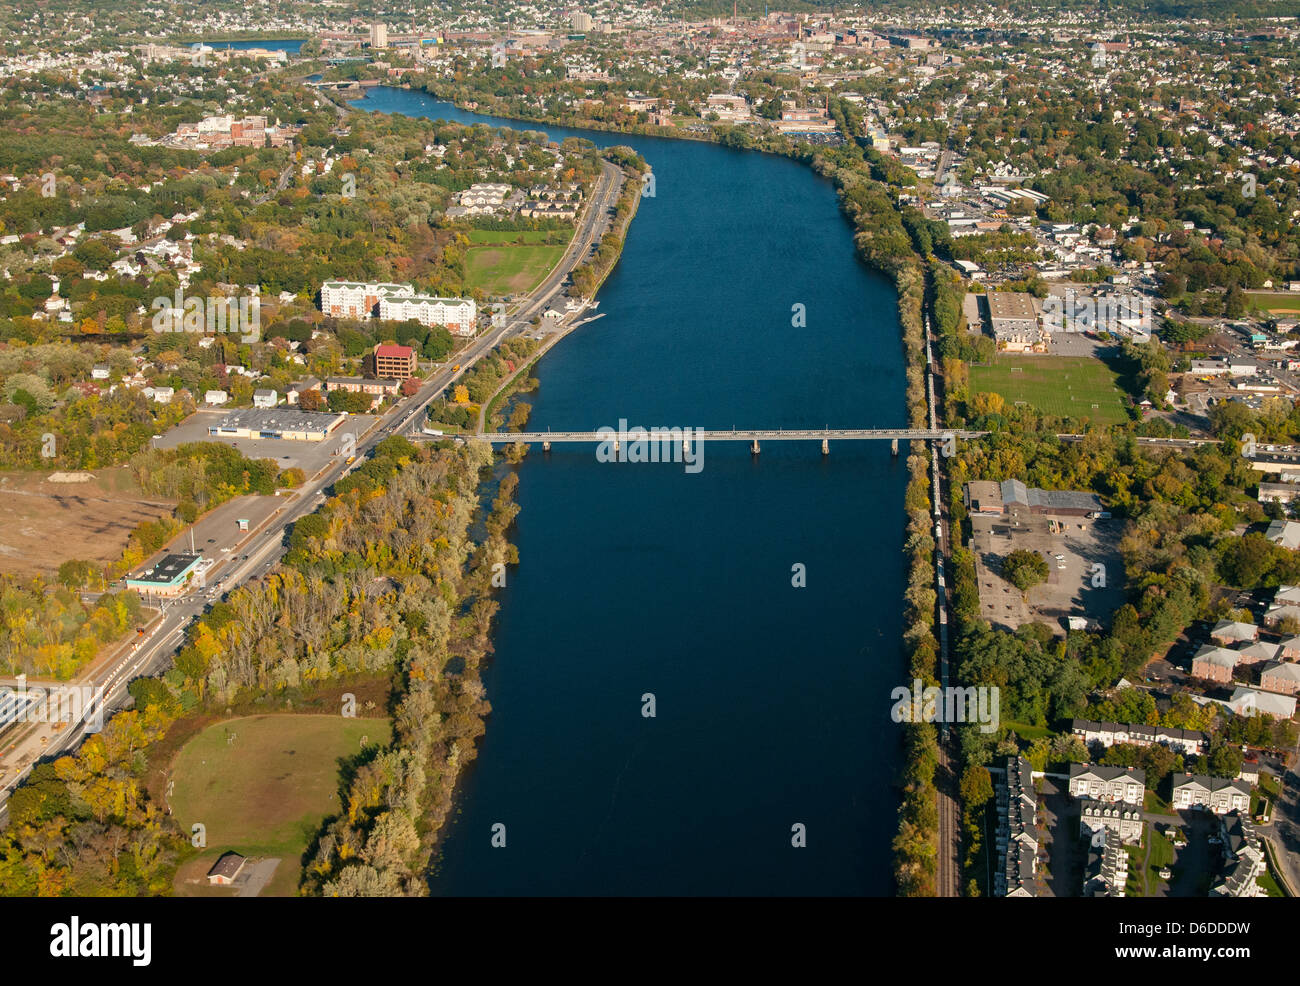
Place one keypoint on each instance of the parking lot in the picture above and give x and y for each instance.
(1070, 589)
(310, 457)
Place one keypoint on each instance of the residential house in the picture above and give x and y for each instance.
(215, 397)
(1285, 533)
(265, 398)
(296, 390)
(1219, 794)
(1100, 783)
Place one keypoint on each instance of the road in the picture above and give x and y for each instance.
(153, 653)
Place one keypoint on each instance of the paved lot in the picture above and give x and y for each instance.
(259, 875)
(307, 456)
(1062, 851)
(1075, 344)
(1069, 590)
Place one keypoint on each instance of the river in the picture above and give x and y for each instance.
(771, 701)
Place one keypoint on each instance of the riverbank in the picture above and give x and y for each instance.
(625, 212)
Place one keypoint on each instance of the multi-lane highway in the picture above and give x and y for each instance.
(153, 652)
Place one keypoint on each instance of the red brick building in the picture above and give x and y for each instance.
(395, 362)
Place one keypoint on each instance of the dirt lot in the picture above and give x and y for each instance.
(47, 523)
(1069, 590)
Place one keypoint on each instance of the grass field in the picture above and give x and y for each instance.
(501, 270)
(1274, 302)
(1067, 386)
(266, 792)
(517, 236)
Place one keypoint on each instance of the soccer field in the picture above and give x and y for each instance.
(266, 791)
(501, 270)
(1067, 386)
(1280, 303)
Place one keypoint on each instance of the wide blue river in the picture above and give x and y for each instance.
(772, 701)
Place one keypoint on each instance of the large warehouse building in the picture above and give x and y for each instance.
(300, 426)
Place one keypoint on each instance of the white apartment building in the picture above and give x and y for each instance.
(457, 314)
(355, 299)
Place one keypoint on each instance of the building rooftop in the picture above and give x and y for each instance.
(168, 571)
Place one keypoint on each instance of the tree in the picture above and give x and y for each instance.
(311, 400)
(1024, 569)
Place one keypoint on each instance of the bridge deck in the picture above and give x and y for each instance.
(733, 435)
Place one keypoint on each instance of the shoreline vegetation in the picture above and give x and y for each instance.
(608, 254)
(889, 238)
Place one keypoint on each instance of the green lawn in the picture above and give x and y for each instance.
(1067, 386)
(1274, 302)
(266, 792)
(516, 236)
(501, 270)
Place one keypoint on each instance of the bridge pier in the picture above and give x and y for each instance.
(546, 446)
(893, 447)
(754, 447)
(826, 446)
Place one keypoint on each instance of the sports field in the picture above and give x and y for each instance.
(1278, 303)
(501, 270)
(1067, 386)
(262, 785)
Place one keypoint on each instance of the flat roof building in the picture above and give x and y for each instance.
(395, 361)
(170, 577)
(994, 499)
(294, 425)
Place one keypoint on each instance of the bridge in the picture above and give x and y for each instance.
(688, 436)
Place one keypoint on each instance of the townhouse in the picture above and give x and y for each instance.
(1016, 840)
(1107, 734)
(1244, 858)
(1101, 783)
(1218, 794)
